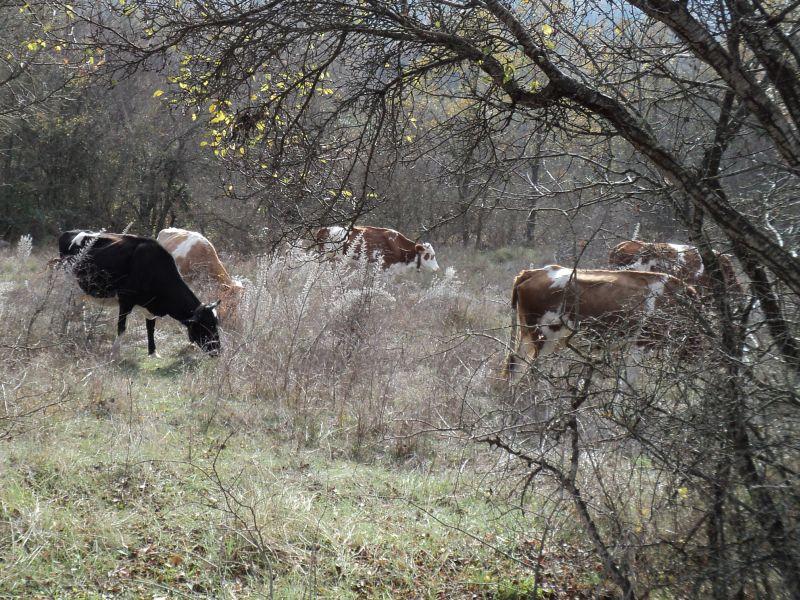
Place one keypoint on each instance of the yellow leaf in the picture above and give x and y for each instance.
(213, 108)
(194, 116)
(158, 93)
(547, 30)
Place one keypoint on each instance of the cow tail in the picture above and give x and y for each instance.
(512, 353)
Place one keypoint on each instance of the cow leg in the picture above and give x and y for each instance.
(151, 336)
(125, 309)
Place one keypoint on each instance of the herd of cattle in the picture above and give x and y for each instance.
(548, 304)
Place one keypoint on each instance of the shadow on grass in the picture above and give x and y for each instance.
(168, 367)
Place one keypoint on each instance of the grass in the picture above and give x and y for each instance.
(293, 465)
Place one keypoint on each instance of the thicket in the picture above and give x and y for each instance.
(557, 127)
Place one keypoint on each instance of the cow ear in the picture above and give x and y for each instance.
(419, 248)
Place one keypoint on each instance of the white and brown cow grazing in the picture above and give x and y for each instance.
(388, 247)
(678, 260)
(198, 262)
(553, 303)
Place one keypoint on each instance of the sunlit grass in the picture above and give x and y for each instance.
(293, 463)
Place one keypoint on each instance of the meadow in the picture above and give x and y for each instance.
(326, 453)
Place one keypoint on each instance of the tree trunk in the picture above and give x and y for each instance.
(530, 225)
(479, 229)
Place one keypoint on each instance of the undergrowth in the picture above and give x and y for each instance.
(303, 462)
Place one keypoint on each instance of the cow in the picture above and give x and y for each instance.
(390, 248)
(553, 303)
(678, 260)
(137, 271)
(197, 261)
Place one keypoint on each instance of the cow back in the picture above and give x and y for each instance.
(137, 268)
(379, 242)
(607, 299)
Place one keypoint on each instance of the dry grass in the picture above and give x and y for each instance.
(296, 464)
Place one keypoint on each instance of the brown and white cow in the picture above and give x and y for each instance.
(388, 247)
(198, 262)
(553, 303)
(678, 260)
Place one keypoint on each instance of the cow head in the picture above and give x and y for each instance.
(202, 327)
(426, 257)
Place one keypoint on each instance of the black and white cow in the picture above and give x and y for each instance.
(137, 271)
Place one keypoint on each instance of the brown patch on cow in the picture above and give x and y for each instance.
(200, 265)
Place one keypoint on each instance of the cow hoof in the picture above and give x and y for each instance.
(154, 355)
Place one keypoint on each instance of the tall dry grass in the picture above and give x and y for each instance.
(331, 364)
(306, 459)
(334, 353)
